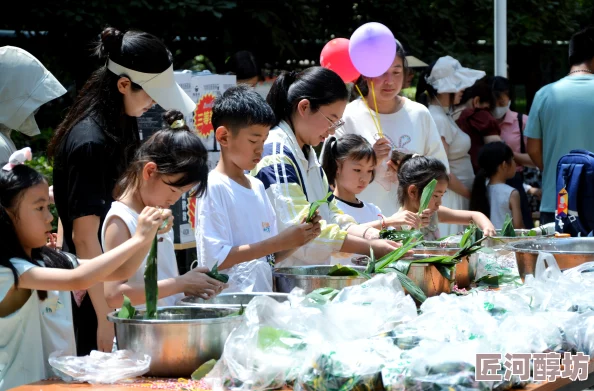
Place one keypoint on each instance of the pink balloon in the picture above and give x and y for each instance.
(372, 48)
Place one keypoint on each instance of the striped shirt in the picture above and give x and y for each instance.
(292, 181)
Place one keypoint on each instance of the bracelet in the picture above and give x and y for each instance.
(383, 222)
(365, 232)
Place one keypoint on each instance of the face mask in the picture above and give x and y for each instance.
(499, 112)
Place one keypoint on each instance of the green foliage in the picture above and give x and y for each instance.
(42, 164)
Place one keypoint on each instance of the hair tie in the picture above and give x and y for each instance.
(416, 155)
(180, 123)
(19, 157)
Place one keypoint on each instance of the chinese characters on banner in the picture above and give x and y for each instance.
(545, 366)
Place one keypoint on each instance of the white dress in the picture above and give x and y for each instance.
(460, 164)
(410, 128)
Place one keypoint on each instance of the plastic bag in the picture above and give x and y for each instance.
(495, 268)
(99, 367)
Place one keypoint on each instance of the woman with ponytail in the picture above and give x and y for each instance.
(308, 107)
(94, 145)
(490, 194)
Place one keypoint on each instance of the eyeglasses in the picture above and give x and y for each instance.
(333, 125)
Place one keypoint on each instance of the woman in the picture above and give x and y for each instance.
(476, 119)
(92, 147)
(512, 127)
(406, 126)
(308, 107)
(442, 85)
(25, 85)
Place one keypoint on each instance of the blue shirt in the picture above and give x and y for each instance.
(562, 116)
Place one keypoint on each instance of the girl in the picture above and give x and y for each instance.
(349, 164)
(497, 199)
(406, 125)
(170, 163)
(414, 173)
(442, 86)
(308, 107)
(35, 312)
(93, 146)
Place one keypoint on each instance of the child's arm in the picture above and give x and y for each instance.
(516, 209)
(98, 269)
(397, 220)
(464, 217)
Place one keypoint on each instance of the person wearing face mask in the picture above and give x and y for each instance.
(442, 86)
(512, 127)
(95, 143)
(25, 85)
(476, 119)
(407, 126)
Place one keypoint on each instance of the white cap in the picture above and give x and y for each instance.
(159, 86)
(448, 76)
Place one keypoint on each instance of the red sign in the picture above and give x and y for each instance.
(203, 116)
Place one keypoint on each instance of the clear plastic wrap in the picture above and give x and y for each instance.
(497, 267)
(99, 367)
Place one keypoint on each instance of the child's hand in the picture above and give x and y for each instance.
(298, 235)
(405, 217)
(484, 224)
(167, 227)
(197, 283)
(149, 221)
(426, 217)
(382, 148)
(382, 247)
(52, 241)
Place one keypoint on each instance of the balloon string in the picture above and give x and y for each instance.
(379, 125)
(373, 118)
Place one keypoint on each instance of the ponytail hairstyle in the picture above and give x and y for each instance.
(491, 156)
(319, 85)
(483, 89)
(419, 171)
(175, 150)
(100, 97)
(337, 151)
(361, 82)
(13, 185)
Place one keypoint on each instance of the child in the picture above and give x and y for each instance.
(35, 280)
(349, 163)
(414, 173)
(235, 222)
(497, 165)
(171, 162)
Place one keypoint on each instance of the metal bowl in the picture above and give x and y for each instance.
(179, 340)
(463, 278)
(499, 241)
(230, 299)
(568, 252)
(429, 279)
(310, 278)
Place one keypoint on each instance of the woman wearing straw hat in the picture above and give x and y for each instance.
(442, 86)
(389, 121)
(92, 147)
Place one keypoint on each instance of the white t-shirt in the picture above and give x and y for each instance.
(231, 215)
(33, 332)
(410, 128)
(166, 261)
(365, 212)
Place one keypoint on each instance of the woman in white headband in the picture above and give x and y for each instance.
(92, 147)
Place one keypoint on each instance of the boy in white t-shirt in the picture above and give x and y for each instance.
(235, 221)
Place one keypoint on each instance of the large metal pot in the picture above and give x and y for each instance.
(568, 253)
(230, 299)
(499, 241)
(310, 278)
(179, 340)
(463, 277)
(429, 279)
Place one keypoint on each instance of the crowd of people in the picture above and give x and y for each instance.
(113, 192)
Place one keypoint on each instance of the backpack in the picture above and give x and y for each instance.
(575, 193)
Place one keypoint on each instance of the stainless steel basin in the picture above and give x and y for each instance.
(230, 299)
(310, 278)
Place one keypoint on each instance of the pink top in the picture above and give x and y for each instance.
(510, 132)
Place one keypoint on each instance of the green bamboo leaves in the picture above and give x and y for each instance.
(127, 311)
(214, 273)
(313, 207)
(508, 227)
(426, 196)
(151, 289)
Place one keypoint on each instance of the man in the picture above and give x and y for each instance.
(561, 118)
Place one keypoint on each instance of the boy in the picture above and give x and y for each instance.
(235, 221)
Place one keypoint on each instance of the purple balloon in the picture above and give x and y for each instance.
(372, 48)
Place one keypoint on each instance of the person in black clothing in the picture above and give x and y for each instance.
(92, 147)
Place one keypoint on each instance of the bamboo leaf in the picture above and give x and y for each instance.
(203, 369)
(342, 271)
(410, 286)
(151, 289)
(445, 271)
(403, 266)
(508, 227)
(468, 235)
(426, 195)
(313, 207)
(127, 311)
(370, 269)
